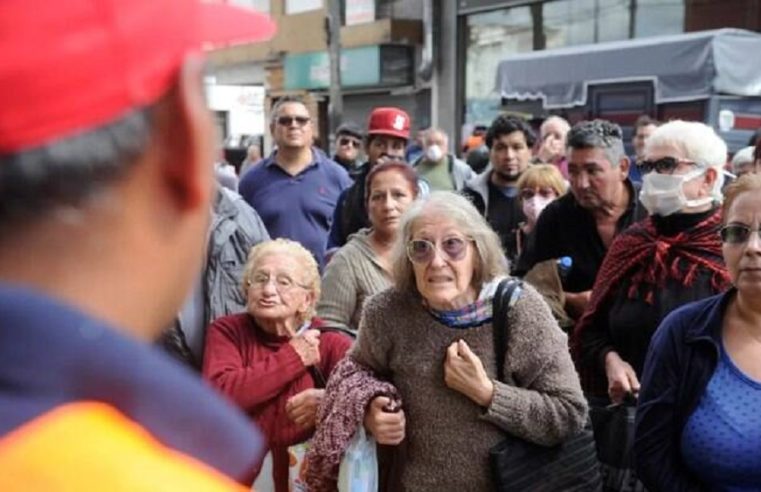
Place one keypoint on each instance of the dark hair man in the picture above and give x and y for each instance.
(494, 192)
(106, 178)
(583, 223)
(295, 190)
(388, 130)
(643, 128)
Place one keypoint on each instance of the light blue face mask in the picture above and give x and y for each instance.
(663, 194)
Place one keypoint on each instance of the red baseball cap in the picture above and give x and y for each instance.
(389, 121)
(68, 66)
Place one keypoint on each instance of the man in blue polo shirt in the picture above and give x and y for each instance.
(295, 189)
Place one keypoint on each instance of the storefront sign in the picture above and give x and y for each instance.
(384, 65)
(299, 6)
(360, 12)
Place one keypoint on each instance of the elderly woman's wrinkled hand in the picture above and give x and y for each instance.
(464, 372)
(302, 407)
(307, 345)
(386, 427)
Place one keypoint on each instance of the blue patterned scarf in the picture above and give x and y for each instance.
(472, 315)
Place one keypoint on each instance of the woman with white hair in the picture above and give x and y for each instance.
(669, 259)
(272, 359)
(431, 336)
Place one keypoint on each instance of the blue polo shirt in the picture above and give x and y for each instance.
(297, 207)
(52, 355)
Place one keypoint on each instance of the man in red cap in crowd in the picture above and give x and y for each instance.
(106, 178)
(388, 130)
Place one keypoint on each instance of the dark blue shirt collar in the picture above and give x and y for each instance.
(52, 354)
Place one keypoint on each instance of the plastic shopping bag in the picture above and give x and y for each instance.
(359, 467)
(297, 467)
(297, 464)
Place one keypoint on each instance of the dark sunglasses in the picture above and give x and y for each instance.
(288, 120)
(423, 251)
(737, 233)
(349, 141)
(528, 193)
(664, 165)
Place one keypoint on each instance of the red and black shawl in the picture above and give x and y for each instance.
(649, 260)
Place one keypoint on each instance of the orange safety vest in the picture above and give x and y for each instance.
(87, 446)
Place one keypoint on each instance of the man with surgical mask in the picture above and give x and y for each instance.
(438, 167)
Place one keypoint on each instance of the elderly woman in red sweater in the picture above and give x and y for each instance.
(273, 359)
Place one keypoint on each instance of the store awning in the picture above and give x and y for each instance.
(682, 67)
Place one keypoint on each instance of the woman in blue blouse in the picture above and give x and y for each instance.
(699, 415)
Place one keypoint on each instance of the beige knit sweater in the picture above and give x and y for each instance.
(352, 275)
(448, 435)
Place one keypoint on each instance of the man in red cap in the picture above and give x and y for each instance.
(106, 178)
(388, 130)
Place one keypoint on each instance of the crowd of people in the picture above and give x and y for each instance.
(216, 329)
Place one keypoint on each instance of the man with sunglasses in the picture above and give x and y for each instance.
(602, 203)
(388, 130)
(295, 190)
(348, 147)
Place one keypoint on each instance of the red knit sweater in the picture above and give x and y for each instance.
(259, 372)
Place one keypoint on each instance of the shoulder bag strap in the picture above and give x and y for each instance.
(503, 301)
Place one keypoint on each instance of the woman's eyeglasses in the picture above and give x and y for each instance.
(423, 251)
(288, 120)
(737, 233)
(664, 165)
(529, 193)
(283, 283)
(349, 141)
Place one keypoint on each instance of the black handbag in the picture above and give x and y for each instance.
(614, 433)
(518, 465)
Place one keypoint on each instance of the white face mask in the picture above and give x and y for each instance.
(533, 206)
(663, 194)
(434, 153)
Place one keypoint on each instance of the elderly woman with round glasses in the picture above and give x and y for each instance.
(658, 264)
(698, 421)
(270, 359)
(431, 336)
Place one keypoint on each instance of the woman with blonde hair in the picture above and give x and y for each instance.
(538, 186)
(271, 359)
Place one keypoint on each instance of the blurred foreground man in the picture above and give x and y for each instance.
(106, 178)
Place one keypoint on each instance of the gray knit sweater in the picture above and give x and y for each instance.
(448, 435)
(352, 275)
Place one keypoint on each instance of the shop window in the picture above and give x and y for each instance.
(657, 17)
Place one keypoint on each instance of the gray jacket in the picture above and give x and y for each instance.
(234, 229)
(479, 185)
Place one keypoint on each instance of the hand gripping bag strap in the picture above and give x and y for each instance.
(521, 466)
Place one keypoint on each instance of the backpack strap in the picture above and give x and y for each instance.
(507, 293)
